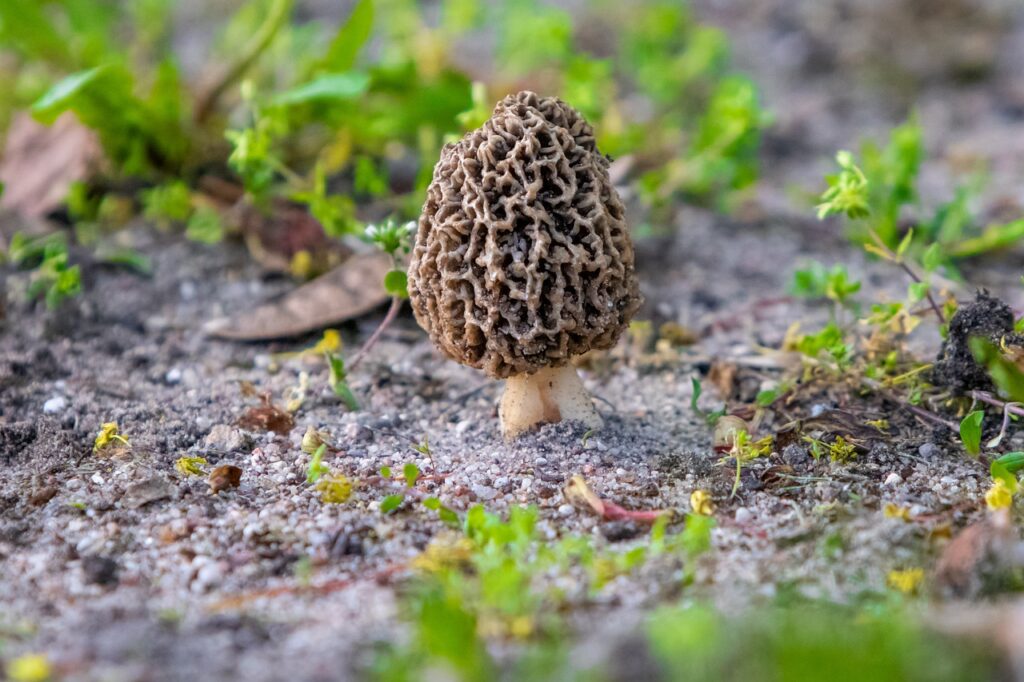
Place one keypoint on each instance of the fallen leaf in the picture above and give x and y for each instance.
(723, 376)
(267, 417)
(224, 477)
(580, 495)
(978, 555)
(349, 290)
(40, 163)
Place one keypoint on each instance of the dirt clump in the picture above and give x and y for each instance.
(986, 317)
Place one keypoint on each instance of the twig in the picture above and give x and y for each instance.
(250, 52)
(931, 300)
(396, 305)
(918, 412)
(1008, 409)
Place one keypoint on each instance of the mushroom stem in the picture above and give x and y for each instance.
(549, 395)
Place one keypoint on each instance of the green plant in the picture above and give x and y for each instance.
(879, 194)
(970, 432)
(52, 279)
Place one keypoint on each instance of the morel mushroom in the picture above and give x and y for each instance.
(523, 258)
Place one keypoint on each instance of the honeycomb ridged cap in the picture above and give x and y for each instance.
(522, 256)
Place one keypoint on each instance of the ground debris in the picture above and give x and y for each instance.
(224, 477)
(986, 317)
(348, 291)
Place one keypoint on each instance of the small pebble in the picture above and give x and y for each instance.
(744, 515)
(173, 376)
(928, 450)
(893, 479)
(565, 510)
(55, 405)
(484, 492)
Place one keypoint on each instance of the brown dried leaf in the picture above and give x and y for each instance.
(349, 290)
(224, 477)
(267, 417)
(40, 163)
(723, 376)
(976, 555)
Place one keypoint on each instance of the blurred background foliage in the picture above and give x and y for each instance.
(348, 120)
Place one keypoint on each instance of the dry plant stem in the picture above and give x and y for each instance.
(931, 300)
(396, 305)
(549, 395)
(275, 19)
(918, 412)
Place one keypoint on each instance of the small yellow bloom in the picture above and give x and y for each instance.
(29, 668)
(999, 496)
(894, 511)
(447, 551)
(700, 503)
(108, 434)
(906, 581)
(334, 488)
(330, 343)
(190, 466)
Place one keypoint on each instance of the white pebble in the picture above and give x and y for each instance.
(744, 515)
(893, 479)
(55, 404)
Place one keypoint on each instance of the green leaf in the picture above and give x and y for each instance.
(385, 472)
(766, 398)
(391, 503)
(905, 243)
(993, 238)
(316, 469)
(1006, 375)
(334, 86)
(932, 257)
(61, 96)
(350, 39)
(396, 283)
(695, 383)
(205, 226)
(1006, 467)
(411, 472)
(970, 432)
(917, 291)
(432, 503)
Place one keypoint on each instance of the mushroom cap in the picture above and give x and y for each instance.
(522, 256)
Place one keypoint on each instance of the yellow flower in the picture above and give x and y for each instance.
(894, 511)
(190, 466)
(447, 551)
(334, 488)
(330, 343)
(906, 581)
(108, 434)
(999, 496)
(700, 503)
(29, 668)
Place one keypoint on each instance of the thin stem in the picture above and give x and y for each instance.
(250, 52)
(1010, 408)
(918, 412)
(931, 300)
(396, 305)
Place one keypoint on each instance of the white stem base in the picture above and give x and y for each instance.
(549, 395)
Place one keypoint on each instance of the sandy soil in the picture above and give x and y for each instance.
(121, 568)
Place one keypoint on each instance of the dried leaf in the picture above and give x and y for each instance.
(224, 477)
(40, 163)
(723, 376)
(580, 495)
(267, 417)
(350, 290)
(978, 554)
